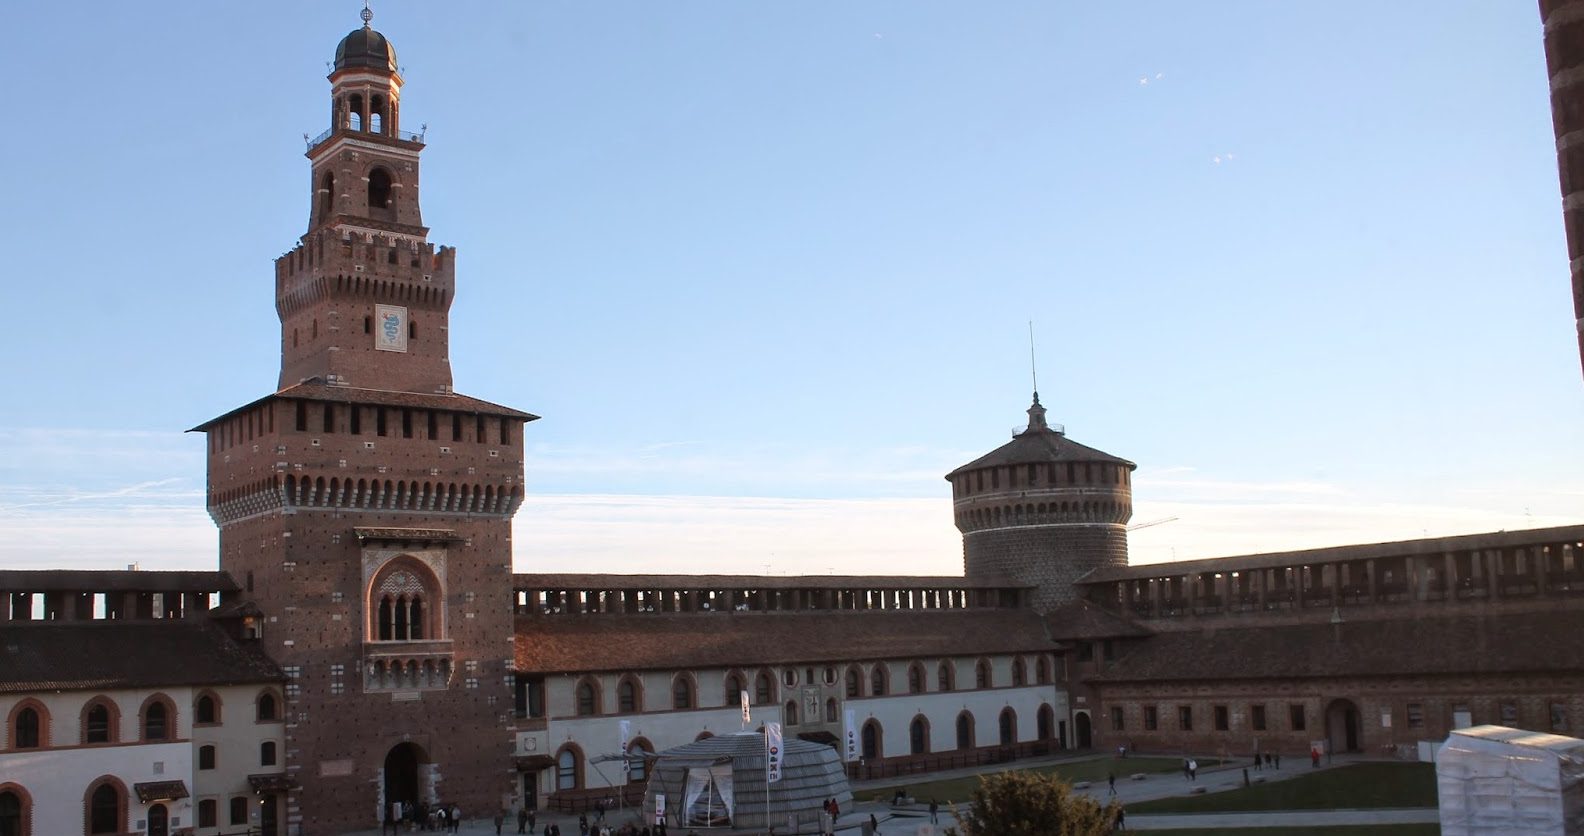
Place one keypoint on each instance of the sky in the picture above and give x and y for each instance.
(767, 269)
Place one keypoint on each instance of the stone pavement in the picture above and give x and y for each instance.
(913, 820)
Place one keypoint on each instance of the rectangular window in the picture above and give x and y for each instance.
(239, 810)
(207, 813)
(1033, 473)
(1257, 717)
(328, 424)
(1151, 718)
(505, 431)
(355, 419)
(478, 428)
(407, 423)
(1185, 717)
(1116, 718)
(1107, 650)
(206, 757)
(1509, 714)
(1222, 720)
(302, 416)
(379, 420)
(1559, 718)
(456, 426)
(1295, 716)
(434, 424)
(1415, 715)
(1086, 651)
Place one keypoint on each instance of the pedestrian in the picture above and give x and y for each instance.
(1267, 759)
(1121, 818)
(874, 825)
(1256, 761)
(1245, 778)
(1193, 770)
(1186, 775)
(934, 811)
(1121, 752)
(1111, 782)
(522, 820)
(1314, 758)
(500, 819)
(583, 824)
(456, 818)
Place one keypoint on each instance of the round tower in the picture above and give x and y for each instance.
(1042, 510)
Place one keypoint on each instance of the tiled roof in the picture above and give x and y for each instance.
(1452, 645)
(1362, 551)
(1085, 620)
(620, 642)
(573, 580)
(113, 580)
(378, 397)
(1037, 446)
(57, 655)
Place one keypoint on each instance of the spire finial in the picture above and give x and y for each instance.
(367, 14)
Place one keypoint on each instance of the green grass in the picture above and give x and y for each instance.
(1342, 830)
(958, 790)
(1359, 786)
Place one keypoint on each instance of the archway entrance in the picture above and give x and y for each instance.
(401, 773)
(1081, 730)
(1342, 726)
(158, 821)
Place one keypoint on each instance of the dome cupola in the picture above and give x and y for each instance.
(365, 48)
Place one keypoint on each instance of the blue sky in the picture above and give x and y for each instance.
(766, 269)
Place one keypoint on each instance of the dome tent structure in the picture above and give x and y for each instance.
(719, 782)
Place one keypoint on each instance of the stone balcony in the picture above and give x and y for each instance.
(407, 665)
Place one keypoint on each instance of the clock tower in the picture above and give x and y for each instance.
(364, 505)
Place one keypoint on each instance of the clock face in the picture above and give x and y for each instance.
(390, 328)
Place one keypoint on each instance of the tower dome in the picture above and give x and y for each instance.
(1042, 510)
(365, 48)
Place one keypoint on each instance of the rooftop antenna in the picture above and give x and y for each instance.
(1033, 370)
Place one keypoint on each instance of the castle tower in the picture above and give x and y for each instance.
(1563, 21)
(365, 507)
(1042, 510)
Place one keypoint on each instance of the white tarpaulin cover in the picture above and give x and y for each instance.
(1493, 779)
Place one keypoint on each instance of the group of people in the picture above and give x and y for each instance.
(440, 818)
(1267, 759)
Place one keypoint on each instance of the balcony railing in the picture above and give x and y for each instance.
(405, 136)
(407, 665)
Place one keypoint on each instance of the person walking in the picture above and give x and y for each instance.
(1121, 819)
(500, 819)
(1111, 783)
(1193, 770)
(1314, 758)
(522, 820)
(934, 809)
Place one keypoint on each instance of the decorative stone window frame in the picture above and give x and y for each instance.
(112, 721)
(45, 724)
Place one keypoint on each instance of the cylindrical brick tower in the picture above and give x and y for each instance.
(1042, 510)
(1564, 46)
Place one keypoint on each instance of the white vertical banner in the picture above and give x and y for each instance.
(659, 808)
(747, 715)
(773, 752)
(850, 748)
(626, 734)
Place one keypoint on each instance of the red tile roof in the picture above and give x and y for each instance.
(378, 397)
(81, 655)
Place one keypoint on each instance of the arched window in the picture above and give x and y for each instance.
(764, 689)
(1041, 670)
(27, 729)
(587, 699)
(268, 707)
(789, 677)
(830, 709)
(682, 692)
(267, 753)
(569, 769)
(915, 678)
(355, 113)
(326, 195)
(1008, 727)
(106, 802)
(877, 680)
(982, 674)
(629, 696)
(1045, 722)
(157, 719)
(965, 730)
(791, 712)
(379, 189)
(854, 682)
(206, 757)
(945, 677)
(100, 721)
(206, 709)
(400, 601)
(1019, 671)
(14, 812)
(872, 740)
(734, 689)
(918, 735)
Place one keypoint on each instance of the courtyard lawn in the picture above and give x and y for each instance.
(958, 790)
(1359, 786)
(1349, 830)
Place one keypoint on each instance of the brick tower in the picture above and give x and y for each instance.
(1042, 510)
(1563, 21)
(364, 505)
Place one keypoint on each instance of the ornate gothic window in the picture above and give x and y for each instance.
(402, 603)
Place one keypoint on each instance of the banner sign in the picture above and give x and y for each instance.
(850, 737)
(390, 328)
(747, 717)
(659, 808)
(773, 749)
(626, 734)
